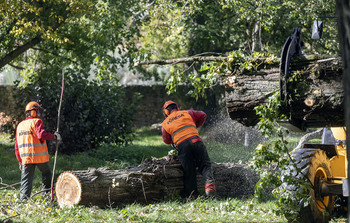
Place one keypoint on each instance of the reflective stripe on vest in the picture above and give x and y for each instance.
(180, 129)
(31, 145)
(180, 126)
(31, 150)
(33, 154)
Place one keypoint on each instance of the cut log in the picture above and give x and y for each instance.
(149, 182)
(314, 94)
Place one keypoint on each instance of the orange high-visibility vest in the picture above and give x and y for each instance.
(180, 126)
(29, 146)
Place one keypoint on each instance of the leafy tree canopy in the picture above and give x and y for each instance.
(78, 32)
(85, 32)
(182, 28)
(186, 28)
(43, 38)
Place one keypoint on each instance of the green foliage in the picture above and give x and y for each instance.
(277, 168)
(239, 62)
(177, 29)
(75, 31)
(182, 28)
(92, 111)
(210, 74)
(9, 172)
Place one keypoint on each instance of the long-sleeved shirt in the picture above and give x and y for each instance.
(40, 132)
(198, 117)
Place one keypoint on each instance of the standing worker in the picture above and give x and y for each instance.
(31, 149)
(180, 128)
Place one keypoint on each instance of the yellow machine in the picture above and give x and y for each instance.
(325, 166)
(339, 162)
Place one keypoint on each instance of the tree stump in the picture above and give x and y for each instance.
(149, 182)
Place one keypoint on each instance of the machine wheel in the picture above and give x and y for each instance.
(315, 166)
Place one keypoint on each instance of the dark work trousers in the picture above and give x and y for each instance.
(194, 155)
(28, 175)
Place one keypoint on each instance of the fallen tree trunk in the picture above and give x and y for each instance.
(149, 182)
(314, 94)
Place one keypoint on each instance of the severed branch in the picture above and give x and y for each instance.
(182, 60)
(312, 135)
(9, 186)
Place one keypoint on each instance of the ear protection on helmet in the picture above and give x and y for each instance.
(166, 112)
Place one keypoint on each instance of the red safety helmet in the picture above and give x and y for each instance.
(34, 108)
(166, 104)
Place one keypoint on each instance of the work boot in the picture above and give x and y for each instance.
(210, 190)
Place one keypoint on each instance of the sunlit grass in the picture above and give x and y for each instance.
(41, 209)
(147, 143)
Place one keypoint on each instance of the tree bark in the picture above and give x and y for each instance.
(256, 37)
(183, 60)
(312, 135)
(18, 51)
(315, 93)
(151, 181)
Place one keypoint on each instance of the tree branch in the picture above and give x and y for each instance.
(312, 135)
(182, 60)
(21, 49)
(55, 54)
(18, 51)
(16, 67)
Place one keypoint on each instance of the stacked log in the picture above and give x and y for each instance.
(149, 182)
(314, 95)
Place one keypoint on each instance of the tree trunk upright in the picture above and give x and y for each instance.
(256, 37)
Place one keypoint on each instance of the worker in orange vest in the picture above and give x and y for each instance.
(31, 149)
(180, 129)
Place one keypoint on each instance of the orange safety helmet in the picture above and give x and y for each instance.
(166, 104)
(34, 108)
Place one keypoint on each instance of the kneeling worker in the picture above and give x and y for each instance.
(180, 128)
(31, 149)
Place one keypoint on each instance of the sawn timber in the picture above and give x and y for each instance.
(153, 180)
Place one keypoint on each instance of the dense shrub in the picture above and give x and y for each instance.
(92, 111)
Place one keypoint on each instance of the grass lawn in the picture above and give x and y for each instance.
(146, 144)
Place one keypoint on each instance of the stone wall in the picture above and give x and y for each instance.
(8, 106)
(150, 108)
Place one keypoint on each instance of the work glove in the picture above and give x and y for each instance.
(58, 136)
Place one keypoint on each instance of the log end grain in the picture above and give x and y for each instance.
(309, 102)
(68, 190)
